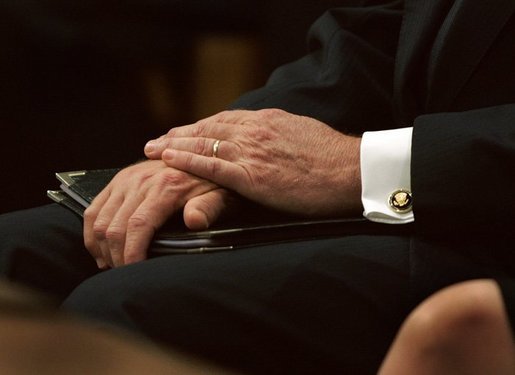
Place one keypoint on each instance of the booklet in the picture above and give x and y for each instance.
(254, 225)
(78, 188)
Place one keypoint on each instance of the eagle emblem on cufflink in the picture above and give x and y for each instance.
(401, 200)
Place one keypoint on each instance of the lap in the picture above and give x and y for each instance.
(43, 248)
(307, 306)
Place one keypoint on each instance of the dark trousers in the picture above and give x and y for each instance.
(310, 307)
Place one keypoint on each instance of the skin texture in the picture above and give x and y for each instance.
(462, 329)
(292, 163)
(287, 162)
(122, 219)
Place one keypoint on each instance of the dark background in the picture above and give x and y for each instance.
(84, 85)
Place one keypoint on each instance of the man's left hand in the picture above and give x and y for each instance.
(284, 161)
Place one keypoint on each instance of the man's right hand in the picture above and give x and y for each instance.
(122, 220)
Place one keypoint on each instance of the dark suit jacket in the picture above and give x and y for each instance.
(447, 68)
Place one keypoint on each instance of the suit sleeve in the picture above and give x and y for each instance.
(463, 172)
(346, 79)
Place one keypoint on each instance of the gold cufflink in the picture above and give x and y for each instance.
(401, 200)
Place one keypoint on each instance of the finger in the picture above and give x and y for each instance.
(90, 217)
(154, 147)
(102, 225)
(141, 228)
(219, 171)
(229, 117)
(117, 231)
(202, 211)
(202, 129)
(205, 146)
(219, 126)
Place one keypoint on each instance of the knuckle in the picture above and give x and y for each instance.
(201, 147)
(213, 166)
(260, 134)
(188, 161)
(138, 222)
(100, 229)
(222, 116)
(138, 178)
(270, 112)
(90, 214)
(114, 233)
(199, 128)
(171, 178)
(125, 172)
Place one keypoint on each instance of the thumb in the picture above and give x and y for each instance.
(204, 210)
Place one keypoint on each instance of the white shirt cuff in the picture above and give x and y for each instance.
(385, 169)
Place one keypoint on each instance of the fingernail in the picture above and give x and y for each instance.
(150, 146)
(167, 154)
(101, 263)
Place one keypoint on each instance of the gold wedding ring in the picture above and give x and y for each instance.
(216, 146)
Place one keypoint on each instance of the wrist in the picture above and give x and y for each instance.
(346, 178)
(353, 173)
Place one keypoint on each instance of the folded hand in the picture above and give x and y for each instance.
(288, 162)
(122, 220)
